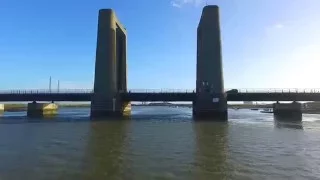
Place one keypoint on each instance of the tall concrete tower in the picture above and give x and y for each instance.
(211, 99)
(110, 68)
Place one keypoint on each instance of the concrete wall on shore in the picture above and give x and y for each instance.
(42, 109)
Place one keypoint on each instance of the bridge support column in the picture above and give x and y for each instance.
(41, 109)
(110, 68)
(289, 112)
(211, 100)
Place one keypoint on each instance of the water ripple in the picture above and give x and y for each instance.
(161, 143)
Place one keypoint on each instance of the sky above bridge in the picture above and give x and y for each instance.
(266, 43)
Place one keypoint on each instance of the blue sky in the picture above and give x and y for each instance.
(266, 43)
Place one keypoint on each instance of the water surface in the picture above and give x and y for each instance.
(158, 143)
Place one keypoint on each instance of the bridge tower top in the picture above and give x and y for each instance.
(113, 19)
(209, 58)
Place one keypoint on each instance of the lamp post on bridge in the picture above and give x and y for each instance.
(50, 84)
(58, 88)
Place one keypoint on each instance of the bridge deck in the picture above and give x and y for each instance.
(172, 96)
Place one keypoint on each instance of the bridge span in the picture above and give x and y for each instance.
(81, 95)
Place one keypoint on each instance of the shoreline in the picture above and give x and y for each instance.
(23, 107)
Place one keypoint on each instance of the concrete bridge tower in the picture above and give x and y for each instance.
(110, 68)
(211, 99)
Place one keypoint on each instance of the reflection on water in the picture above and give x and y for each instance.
(293, 125)
(286, 122)
(105, 151)
(211, 150)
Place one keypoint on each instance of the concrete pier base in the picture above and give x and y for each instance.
(1, 108)
(109, 108)
(42, 109)
(287, 112)
(210, 108)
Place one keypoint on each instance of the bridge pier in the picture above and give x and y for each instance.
(41, 109)
(210, 100)
(211, 107)
(1, 108)
(110, 68)
(288, 112)
(109, 108)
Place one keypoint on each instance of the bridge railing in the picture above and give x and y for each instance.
(275, 90)
(160, 91)
(79, 91)
(46, 91)
(249, 90)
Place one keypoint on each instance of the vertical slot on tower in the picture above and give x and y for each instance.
(120, 59)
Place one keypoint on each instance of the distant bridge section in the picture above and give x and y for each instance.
(161, 95)
(238, 95)
(45, 95)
